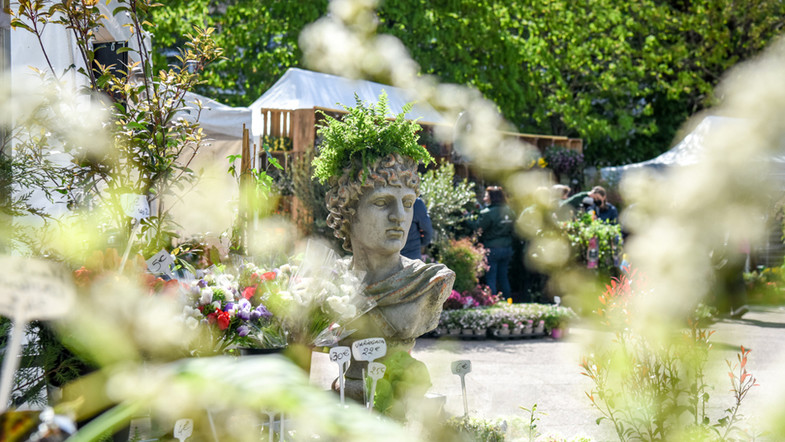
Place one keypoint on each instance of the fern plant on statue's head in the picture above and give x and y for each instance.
(364, 151)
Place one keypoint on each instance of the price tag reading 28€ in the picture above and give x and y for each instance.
(461, 367)
(369, 349)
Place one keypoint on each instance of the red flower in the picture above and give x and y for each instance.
(249, 292)
(82, 276)
(268, 276)
(223, 320)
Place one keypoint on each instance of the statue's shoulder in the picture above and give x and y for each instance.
(433, 270)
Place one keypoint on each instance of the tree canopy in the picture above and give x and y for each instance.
(621, 74)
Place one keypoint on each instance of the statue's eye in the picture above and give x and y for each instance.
(380, 203)
(408, 204)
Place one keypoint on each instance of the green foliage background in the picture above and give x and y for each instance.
(623, 75)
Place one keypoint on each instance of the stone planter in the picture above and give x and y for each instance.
(453, 331)
(539, 328)
(504, 331)
(467, 332)
(480, 332)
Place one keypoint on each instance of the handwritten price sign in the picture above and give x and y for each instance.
(369, 349)
(135, 206)
(161, 264)
(29, 289)
(183, 429)
(339, 355)
(376, 370)
(461, 367)
(39, 289)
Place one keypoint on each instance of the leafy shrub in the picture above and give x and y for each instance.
(446, 200)
(649, 389)
(609, 242)
(467, 259)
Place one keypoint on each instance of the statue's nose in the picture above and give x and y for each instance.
(396, 212)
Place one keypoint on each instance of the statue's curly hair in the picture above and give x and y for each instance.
(345, 191)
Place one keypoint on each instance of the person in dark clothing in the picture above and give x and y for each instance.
(420, 232)
(496, 223)
(604, 210)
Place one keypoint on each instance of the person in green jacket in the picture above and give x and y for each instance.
(496, 223)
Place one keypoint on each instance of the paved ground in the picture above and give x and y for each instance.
(509, 374)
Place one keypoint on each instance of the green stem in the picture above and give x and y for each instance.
(108, 421)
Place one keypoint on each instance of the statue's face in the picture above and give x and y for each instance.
(382, 220)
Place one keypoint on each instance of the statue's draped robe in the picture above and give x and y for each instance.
(408, 305)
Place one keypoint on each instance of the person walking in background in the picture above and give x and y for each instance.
(420, 232)
(496, 223)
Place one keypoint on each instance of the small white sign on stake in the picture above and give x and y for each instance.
(375, 372)
(342, 356)
(183, 429)
(369, 349)
(135, 206)
(461, 368)
(29, 289)
(161, 264)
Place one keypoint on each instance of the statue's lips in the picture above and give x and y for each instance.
(395, 233)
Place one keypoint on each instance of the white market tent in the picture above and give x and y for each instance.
(303, 89)
(687, 152)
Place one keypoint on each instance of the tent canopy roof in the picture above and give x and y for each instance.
(687, 152)
(303, 89)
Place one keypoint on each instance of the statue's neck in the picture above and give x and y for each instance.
(376, 267)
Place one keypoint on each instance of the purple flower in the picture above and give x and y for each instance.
(202, 283)
(228, 306)
(260, 312)
(245, 315)
(243, 330)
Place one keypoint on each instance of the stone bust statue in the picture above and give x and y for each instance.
(372, 215)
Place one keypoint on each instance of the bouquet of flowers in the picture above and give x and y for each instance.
(311, 300)
(230, 308)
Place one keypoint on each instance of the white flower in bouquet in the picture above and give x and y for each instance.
(206, 296)
(343, 307)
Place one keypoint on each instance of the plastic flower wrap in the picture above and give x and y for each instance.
(322, 298)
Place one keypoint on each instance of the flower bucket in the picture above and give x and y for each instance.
(467, 332)
(502, 331)
(480, 332)
(453, 331)
(557, 333)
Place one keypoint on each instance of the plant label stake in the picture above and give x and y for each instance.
(270, 423)
(161, 263)
(183, 429)
(368, 350)
(136, 207)
(29, 289)
(461, 368)
(342, 356)
(375, 372)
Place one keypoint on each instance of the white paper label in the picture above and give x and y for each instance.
(340, 355)
(369, 349)
(183, 429)
(461, 367)
(376, 370)
(161, 263)
(135, 206)
(44, 289)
